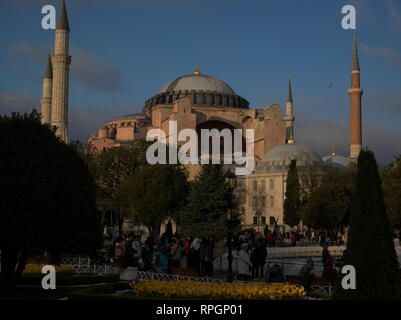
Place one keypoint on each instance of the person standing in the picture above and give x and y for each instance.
(206, 257)
(175, 254)
(307, 274)
(244, 263)
(293, 239)
(258, 259)
(195, 254)
(160, 260)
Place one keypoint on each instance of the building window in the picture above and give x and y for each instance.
(263, 220)
(271, 184)
(255, 185)
(255, 220)
(272, 220)
(271, 201)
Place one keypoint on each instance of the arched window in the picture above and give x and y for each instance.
(271, 201)
(271, 184)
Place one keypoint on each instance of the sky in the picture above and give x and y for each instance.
(124, 51)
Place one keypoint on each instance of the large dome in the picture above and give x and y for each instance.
(278, 159)
(201, 89)
(197, 82)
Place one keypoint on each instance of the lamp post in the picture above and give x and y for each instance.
(231, 180)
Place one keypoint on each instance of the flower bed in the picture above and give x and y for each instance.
(37, 268)
(222, 291)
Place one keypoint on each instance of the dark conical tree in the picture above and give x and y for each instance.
(208, 203)
(292, 202)
(370, 247)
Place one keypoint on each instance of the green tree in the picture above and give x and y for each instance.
(292, 202)
(392, 190)
(370, 247)
(328, 206)
(47, 196)
(154, 193)
(209, 199)
(111, 169)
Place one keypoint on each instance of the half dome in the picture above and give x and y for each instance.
(278, 159)
(336, 161)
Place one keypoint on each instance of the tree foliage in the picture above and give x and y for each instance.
(392, 190)
(370, 247)
(155, 192)
(209, 199)
(328, 205)
(47, 195)
(111, 169)
(292, 202)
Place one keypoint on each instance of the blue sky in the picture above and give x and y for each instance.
(124, 51)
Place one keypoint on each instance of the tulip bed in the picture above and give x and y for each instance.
(37, 268)
(222, 291)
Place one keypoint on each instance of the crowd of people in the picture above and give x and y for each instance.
(171, 251)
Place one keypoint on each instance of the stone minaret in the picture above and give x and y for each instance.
(355, 94)
(61, 62)
(46, 100)
(289, 117)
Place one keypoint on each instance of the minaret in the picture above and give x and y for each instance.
(61, 62)
(355, 94)
(46, 100)
(289, 117)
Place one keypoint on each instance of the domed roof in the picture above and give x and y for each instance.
(197, 82)
(336, 161)
(278, 159)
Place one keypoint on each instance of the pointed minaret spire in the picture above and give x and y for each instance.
(62, 21)
(289, 117)
(333, 153)
(289, 92)
(61, 67)
(355, 94)
(355, 60)
(48, 69)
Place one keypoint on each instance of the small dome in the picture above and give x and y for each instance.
(197, 82)
(336, 161)
(278, 159)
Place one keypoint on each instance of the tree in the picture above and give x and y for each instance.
(47, 196)
(328, 206)
(209, 200)
(392, 190)
(111, 169)
(156, 192)
(292, 202)
(370, 247)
